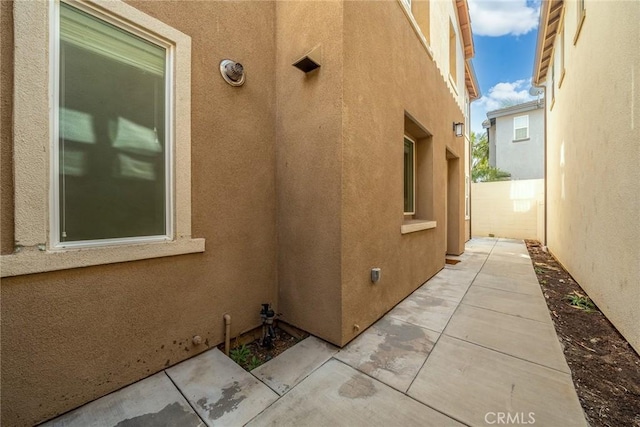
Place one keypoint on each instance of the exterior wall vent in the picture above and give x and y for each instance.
(310, 61)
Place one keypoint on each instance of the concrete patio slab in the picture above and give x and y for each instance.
(337, 394)
(519, 285)
(498, 356)
(475, 384)
(521, 271)
(425, 311)
(517, 258)
(527, 339)
(153, 401)
(519, 305)
(219, 390)
(461, 276)
(295, 364)
(480, 245)
(391, 351)
(443, 288)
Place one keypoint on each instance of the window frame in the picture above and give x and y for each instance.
(515, 136)
(406, 139)
(562, 50)
(453, 54)
(581, 13)
(54, 214)
(35, 38)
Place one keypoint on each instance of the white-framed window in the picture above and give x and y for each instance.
(112, 146)
(409, 176)
(521, 127)
(102, 137)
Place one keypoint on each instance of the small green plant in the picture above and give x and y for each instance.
(240, 354)
(253, 363)
(580, 301)
(539, 270)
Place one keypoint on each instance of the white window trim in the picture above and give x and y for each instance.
(515, 138)
(413, 144)
(413, 225)
(34, 98)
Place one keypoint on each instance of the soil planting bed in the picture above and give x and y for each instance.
(605, 368)
(253, 354)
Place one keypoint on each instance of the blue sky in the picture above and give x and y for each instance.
(504, 34)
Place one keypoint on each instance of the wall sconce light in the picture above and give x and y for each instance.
(232, 72)
(458, 128)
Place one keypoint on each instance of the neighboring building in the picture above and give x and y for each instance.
(516, 139)
(592, 149)
(143, 197)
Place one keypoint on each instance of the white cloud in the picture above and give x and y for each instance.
(503, 17)
(501, 95)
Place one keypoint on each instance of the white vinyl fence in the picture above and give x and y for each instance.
(512, 209)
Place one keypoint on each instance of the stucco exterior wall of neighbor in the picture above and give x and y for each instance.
(523, 159)
(309, 159)
(512, 209)
(593, 157)
(74, 335)
(376, 98)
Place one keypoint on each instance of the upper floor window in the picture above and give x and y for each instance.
(520, 127)
(112, 149)
(453, 70)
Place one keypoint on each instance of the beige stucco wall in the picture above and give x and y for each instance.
(513, 209)
(309, 159)
(284, 170)
(339, 198)
(74, 335)
(593, 159)
(376, 96)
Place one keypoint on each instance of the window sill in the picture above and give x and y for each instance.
(521, 140)
(32, 260)
(413, 225)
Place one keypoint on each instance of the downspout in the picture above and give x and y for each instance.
(227, 333)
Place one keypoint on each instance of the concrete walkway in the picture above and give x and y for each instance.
(473, 346)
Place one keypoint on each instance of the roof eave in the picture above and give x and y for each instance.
(471, 81)
(550, 12)
(465, 28)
